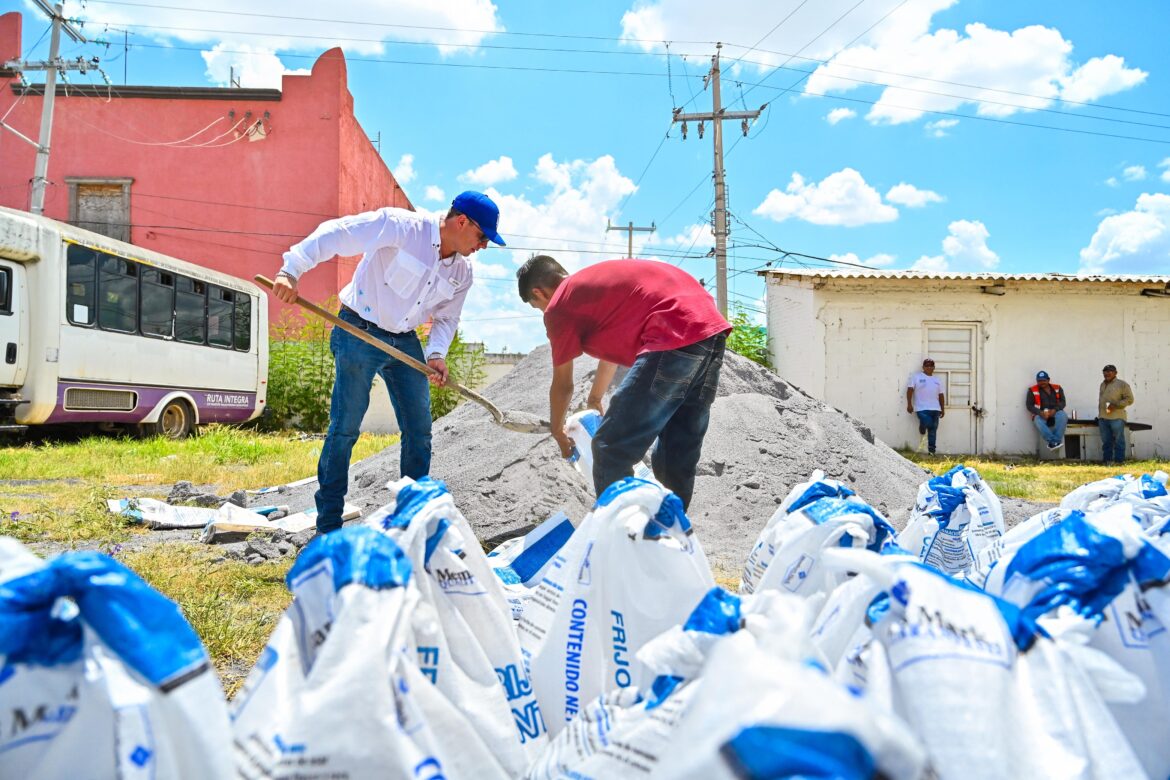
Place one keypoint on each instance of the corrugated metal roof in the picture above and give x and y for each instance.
(956, 276)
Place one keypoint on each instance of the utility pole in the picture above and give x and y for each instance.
(50, 66)
(631, 230)
(717, 117)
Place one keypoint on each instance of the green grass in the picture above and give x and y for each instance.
(1035, 480)
(232, 605)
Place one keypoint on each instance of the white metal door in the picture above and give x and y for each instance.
(13, 333)
(955, 349)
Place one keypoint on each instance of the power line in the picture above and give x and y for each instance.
(843, 48)
(754, 85)
(368, 23)
(769, 33)
(747, 49)
(374, 60)
(968, 85)
(1014, 122)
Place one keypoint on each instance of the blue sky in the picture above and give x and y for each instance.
(897, 133)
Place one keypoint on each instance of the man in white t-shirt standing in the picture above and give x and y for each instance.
(924, 397)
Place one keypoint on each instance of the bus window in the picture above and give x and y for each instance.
(190, 310)
(117, 294)
(243, 329)
(5, 291)
(157, 307)
(220, 303)
(80, 284)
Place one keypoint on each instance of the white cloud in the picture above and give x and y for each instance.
(491, 172)
(252, 66)
(839, 114)
(434, 193)
(1112, 181)
(1106, 212)
(1165, 173)
(891, 37)
(964, 249)
(572, 201)
(930, 263)
(404, 171)
(880, 260)
(1134, 173)
(938, 128)
(1099, 76)
(1137, 241)
(910, 196)
(449, 26)
(842, 198)
(807, 30)
(1032, 62)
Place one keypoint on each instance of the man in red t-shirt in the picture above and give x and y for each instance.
(654, 318)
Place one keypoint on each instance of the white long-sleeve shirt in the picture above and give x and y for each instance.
(401, 281)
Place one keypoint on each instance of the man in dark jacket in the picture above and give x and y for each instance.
(1045, 401)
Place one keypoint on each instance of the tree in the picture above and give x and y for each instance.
(747, 338)
(465, 366)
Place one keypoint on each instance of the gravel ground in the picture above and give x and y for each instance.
(765, 436)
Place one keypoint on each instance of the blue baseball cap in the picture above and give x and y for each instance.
(1042, 375)
(482, 210)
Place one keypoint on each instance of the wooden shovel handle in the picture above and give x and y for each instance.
(357, 332)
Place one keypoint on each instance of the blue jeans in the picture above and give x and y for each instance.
(928, 419)
(1112, 440)
(1055, 434)
(668, 396)
(356, 364)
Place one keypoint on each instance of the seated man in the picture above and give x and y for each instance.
(1045, 400)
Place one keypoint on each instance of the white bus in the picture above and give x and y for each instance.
(99, 332)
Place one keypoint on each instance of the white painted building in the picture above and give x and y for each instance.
(852, 339)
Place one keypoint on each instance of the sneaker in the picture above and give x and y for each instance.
(931, 452)
(1056, 446)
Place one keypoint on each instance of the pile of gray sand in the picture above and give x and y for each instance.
(765, 436)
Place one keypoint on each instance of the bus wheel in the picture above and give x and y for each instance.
(174, 421)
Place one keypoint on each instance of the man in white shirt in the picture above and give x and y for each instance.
(414, 268)
(924, 397)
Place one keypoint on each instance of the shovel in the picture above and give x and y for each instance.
(521, 422)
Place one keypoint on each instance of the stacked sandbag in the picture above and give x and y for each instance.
(952, 650)
(955, 517)
(520, 563)
(989, 693)
(1099, 578)
(337, 691)
(734, 690)
(632, 569)
(462, 625)
(817, 515)
(101, 676)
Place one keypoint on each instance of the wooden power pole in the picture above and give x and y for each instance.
(631, 230)
(717, 116)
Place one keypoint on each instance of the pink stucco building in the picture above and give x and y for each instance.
(225, 178)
